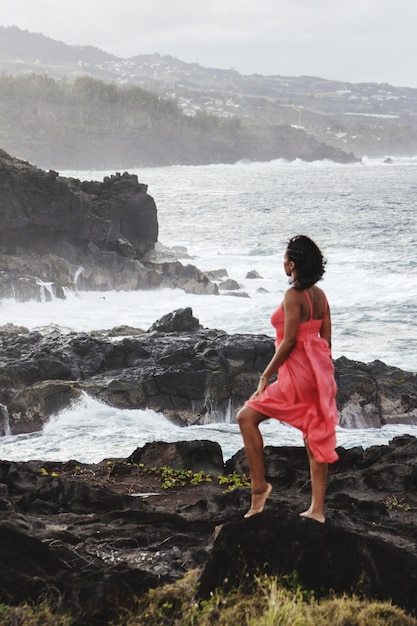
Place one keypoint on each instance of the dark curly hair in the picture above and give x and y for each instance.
(308, 260)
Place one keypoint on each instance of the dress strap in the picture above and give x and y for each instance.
(309, 304)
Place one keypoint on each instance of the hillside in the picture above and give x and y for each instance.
(370, 119)
(91, 124)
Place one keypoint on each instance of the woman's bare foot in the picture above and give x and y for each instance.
(258, 501)
(310, 515)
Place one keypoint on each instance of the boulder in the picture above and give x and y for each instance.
(374, 394)
(30, 408)
(367, 544)
(197, 456)
(181, 320)
(229, 285)
(328, 558)
(217, 274)
(253, 274)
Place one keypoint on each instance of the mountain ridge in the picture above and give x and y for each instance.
(364, 118)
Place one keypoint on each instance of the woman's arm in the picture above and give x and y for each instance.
(292, 315)
(326, 328)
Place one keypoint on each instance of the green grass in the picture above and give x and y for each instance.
(33, 615)
(268, 603)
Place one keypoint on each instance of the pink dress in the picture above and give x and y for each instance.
(304, 394)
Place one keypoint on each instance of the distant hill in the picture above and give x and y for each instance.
(365, 118)
(91, 124)
(20, 46)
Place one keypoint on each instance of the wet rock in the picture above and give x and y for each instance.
(216, 274)
(253, 274)
(229, 285)
(191, 374)
(97, 536)
(237, 294)
(181, 320)
(58, 233)
(374, 394)
(30, 408)
(198, 455)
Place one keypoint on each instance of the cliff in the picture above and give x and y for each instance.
(88, 235)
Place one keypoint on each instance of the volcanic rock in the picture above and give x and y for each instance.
(189, 373)
(60, 233)
(96, 536)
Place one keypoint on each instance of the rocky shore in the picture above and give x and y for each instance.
(93, 538)
(189, 373)
(59, 234)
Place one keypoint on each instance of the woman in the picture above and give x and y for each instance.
(304, 393)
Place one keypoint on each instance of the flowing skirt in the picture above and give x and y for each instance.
(304, 396)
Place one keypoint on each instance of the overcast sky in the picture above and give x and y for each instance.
(352, 40)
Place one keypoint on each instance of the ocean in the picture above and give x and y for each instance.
(239, 218)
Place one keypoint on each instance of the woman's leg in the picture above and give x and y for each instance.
(318, 474)
(249, 420)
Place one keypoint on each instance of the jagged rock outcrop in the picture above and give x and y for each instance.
(189, 373)
(374, 394)
(58, 233)
(94, 537)
(368, 543)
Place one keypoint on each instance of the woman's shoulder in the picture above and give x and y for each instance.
(293, 298)
(314, 290)
(293, 295)
(319, 301)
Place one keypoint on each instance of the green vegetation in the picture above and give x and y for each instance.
(172, 478)
(169, 477)
(398, 503)
(270, 602)
(32, 615)
(233, 481)
(93, 123)
(366, 118)
(45, 472)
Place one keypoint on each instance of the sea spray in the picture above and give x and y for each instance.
(4, 421)
(90, 431)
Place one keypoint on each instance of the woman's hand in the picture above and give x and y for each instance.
(263, 382)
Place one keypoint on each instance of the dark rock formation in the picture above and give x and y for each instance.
(375, 394)
(197, 456)
(368, 544)
(253, 274)
(58, 233)
(177, 367)
(229, 285)
(95, 536)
